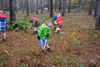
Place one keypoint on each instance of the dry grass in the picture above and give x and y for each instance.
(79, 42)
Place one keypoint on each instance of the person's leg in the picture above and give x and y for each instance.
(60, 29)
(55, 25)
(35, 29)
(41, 44)
(47, 45)
(38, 38)
(4, 33)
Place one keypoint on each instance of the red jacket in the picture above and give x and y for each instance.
(59, 20)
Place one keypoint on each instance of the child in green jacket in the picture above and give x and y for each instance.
(43, 33)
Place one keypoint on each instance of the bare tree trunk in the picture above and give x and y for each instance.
(23, 5)
(33, 6)
(30, 5)
(12, 10)
(63, 8)
(56, 5)
(1, 4)
(20, 4)
(95, 10)
(69, 6)
(51, 9)
(59, 5)
(37, 7)
(90, 8)
(80, 2)
(41, 5)
(98, 15)
(48, 5)
(27, 7)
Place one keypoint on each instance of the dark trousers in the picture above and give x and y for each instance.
(60, 29)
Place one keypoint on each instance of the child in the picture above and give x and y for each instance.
(54, 21)
(35, 24)
(59, 23)
(3, 22)
(43, 33)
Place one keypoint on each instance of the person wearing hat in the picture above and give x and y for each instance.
(59, 23)
(43, 34)
(35, 23)
(3, 22)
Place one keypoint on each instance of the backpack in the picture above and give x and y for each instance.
(2, 15)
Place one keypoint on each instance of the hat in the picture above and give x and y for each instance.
(33, 18)
(58, 14)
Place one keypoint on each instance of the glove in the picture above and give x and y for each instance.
(55, 22)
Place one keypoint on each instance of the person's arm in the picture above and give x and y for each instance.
(7, 20)
(38, 37)
(48, 32)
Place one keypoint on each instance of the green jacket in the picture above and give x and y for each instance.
(43, 32)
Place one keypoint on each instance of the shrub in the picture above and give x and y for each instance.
(18, 25)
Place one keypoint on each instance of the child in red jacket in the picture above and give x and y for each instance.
(3, 23)
(59, 23)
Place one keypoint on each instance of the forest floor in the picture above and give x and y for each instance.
(79, 43)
